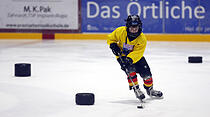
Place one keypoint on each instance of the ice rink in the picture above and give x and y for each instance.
(62, 68)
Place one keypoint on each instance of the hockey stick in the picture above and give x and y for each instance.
(127, 73)
(134, 85)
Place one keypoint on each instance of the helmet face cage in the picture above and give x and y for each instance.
(134, 20)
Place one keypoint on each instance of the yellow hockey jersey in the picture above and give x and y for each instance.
(136, 46)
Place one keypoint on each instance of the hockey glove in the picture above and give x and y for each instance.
(115, 49)
(126, 63)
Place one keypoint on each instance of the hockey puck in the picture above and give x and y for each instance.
(140, 107)
(85, 99)
(22, 69)
(195, 59)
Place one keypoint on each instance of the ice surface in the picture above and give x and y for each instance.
(62, 68)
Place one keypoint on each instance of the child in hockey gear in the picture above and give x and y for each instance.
(128, 44)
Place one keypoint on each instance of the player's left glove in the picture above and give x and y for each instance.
(115, 49)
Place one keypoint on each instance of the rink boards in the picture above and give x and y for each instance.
(150, 37)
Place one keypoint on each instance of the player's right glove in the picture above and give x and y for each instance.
(115, 49)
(126, 63)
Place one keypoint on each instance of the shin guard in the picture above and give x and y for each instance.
(134, 79)
(148, 82)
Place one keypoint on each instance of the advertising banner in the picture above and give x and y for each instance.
(186, 17)
(39, 14)
(158, 16)
(204, 23)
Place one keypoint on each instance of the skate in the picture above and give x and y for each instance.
(154, 93)
(139, 94)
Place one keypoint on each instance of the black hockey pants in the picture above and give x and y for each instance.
(140, 67)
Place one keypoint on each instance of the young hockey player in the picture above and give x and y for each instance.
(128, 44)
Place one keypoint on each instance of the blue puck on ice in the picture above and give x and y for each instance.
(85, 98)
(22, 69)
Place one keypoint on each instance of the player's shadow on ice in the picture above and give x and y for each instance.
(135, 101)
(130, 102)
